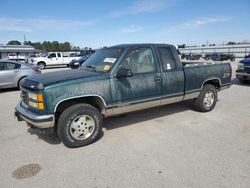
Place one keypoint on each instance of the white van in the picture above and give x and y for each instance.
(55, 59)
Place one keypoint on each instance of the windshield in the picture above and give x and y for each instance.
(44, 54)
(102, 60)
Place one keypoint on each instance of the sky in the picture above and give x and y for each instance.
(98, 23)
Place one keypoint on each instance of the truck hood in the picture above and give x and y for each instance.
(35, 82)
(245, 61)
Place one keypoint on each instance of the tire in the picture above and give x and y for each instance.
(79, 125)
(207, 99)
(41, 65)
(242, 81)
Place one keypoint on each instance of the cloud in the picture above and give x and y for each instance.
(204, 21)
(131, 29)
(197, 23)
(144, 6)
(42, 24)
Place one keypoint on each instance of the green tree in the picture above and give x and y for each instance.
(231, 43)
(14, 42)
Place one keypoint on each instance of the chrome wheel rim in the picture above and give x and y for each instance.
(82, 127)
(209, 99)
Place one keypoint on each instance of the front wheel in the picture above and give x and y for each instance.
(207, 99)
(79, 125)
(41, 65)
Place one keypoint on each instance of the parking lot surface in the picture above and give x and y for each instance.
(170, 146)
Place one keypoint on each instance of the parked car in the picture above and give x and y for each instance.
(55, 59)
(12, 73)
(243, 70)
(15, 56)
(193, 56)
(247, 56)
(183, 56)
(219, 57)
(114, 81)
(75, 64)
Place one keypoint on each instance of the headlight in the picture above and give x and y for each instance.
(35, 97)
(241, 66)
(36, 100)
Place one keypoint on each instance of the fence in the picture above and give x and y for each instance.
(238, 50)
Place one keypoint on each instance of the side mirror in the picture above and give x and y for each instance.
(122, 73)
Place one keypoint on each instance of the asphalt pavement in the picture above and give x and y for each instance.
(170, 146)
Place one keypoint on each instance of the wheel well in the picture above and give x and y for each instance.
(41, 62)
(93, 100)
(20, 80)
(214, 82)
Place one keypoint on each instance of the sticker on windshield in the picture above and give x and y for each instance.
(109, 60)
(106, 68)
(168, 66)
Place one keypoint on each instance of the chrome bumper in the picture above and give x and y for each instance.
(243, 75)
(36, 120)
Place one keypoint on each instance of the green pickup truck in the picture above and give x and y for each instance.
(114, 81)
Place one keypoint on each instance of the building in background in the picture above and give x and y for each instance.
(19, 50)
(239, 50)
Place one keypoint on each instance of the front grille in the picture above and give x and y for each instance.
(247, 69)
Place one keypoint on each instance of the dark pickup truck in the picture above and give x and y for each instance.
(243, 70)
(113, 81)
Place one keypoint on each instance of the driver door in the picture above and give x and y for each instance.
(143, 88)
(52, 59)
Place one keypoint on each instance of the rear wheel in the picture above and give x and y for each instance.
(207, 99)
(79, 125)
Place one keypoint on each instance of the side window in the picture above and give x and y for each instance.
(11, 66)
(166, 58)
(52, 55)
(140, 60)
(58, 54)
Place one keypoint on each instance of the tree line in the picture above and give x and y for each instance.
(49, 46)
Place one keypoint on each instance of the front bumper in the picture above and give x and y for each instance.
(36, 120)
(243, 75)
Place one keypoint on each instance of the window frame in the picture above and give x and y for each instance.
(160, 60)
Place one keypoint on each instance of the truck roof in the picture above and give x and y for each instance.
(138, 44)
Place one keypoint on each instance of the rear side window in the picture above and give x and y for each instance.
(9, 66)
(166, 58)
(58, 55)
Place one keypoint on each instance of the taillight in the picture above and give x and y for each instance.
(37, 69)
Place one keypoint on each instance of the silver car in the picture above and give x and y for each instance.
(12, 73)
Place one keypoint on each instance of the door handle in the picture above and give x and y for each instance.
(157, 79)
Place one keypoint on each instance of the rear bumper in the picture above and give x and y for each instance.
(36, 120)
